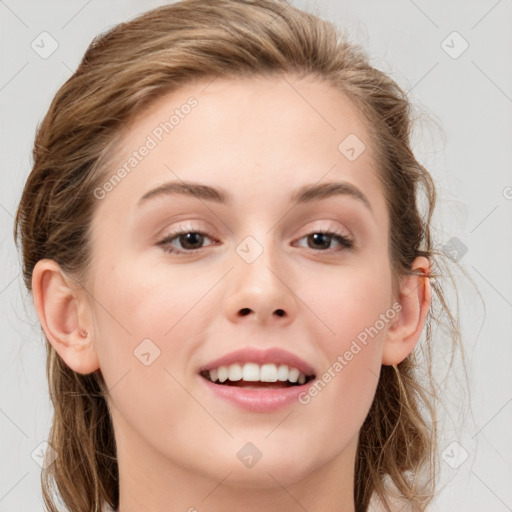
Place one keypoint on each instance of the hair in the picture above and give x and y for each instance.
(121, 73)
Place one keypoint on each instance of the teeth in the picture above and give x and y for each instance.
(234, 372)
(252, 372)
(293, 374)
(223, 373)
(282, 373)
(268, 373)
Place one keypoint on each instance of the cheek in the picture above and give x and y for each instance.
(351, 351)
(146, 334)
(358, 312)
(140, 309)
(351, 303)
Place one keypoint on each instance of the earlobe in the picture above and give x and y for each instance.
(64, 316)
(414, 298)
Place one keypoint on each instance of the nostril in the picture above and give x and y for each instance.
(246, 311)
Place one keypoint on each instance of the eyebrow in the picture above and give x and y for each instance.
(305, 194)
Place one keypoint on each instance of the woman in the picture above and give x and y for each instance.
(222, 238)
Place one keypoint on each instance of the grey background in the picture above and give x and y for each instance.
(466, 146)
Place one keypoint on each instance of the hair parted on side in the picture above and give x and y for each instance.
(121, 73)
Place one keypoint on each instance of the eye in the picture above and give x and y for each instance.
(322, 240)
(190, 240)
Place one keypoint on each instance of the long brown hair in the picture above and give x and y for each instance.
(123, 71)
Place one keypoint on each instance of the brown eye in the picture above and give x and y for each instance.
(191, 240)
(319, 241)
(183, 241)
(322, 240)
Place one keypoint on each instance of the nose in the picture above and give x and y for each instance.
(261, 292)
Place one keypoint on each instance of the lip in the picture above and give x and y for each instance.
(257, 400)
(253, 355)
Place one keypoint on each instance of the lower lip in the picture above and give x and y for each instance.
(257, 400)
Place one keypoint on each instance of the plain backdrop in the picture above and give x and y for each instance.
(454, 60)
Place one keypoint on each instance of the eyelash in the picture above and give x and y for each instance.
(346, 243)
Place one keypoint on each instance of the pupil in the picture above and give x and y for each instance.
(191, 239)
(318, 237)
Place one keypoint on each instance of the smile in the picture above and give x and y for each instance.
(257, 380)
(269, 375)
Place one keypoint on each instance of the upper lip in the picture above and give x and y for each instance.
(253, 355)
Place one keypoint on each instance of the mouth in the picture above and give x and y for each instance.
(254, 376)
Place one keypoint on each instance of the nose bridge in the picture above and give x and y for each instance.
(260, 288)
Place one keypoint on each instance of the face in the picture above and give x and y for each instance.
(183, 277)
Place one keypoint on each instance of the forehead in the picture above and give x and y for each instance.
(249, 134)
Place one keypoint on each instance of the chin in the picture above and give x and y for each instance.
(276, 465)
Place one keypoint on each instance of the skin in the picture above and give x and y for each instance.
(259, 139)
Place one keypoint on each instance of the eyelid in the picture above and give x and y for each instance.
(327, 225)
(345, 238)
(188, 226)
(347, 242)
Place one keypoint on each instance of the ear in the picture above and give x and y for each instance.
(65, 316)
(405, 330)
